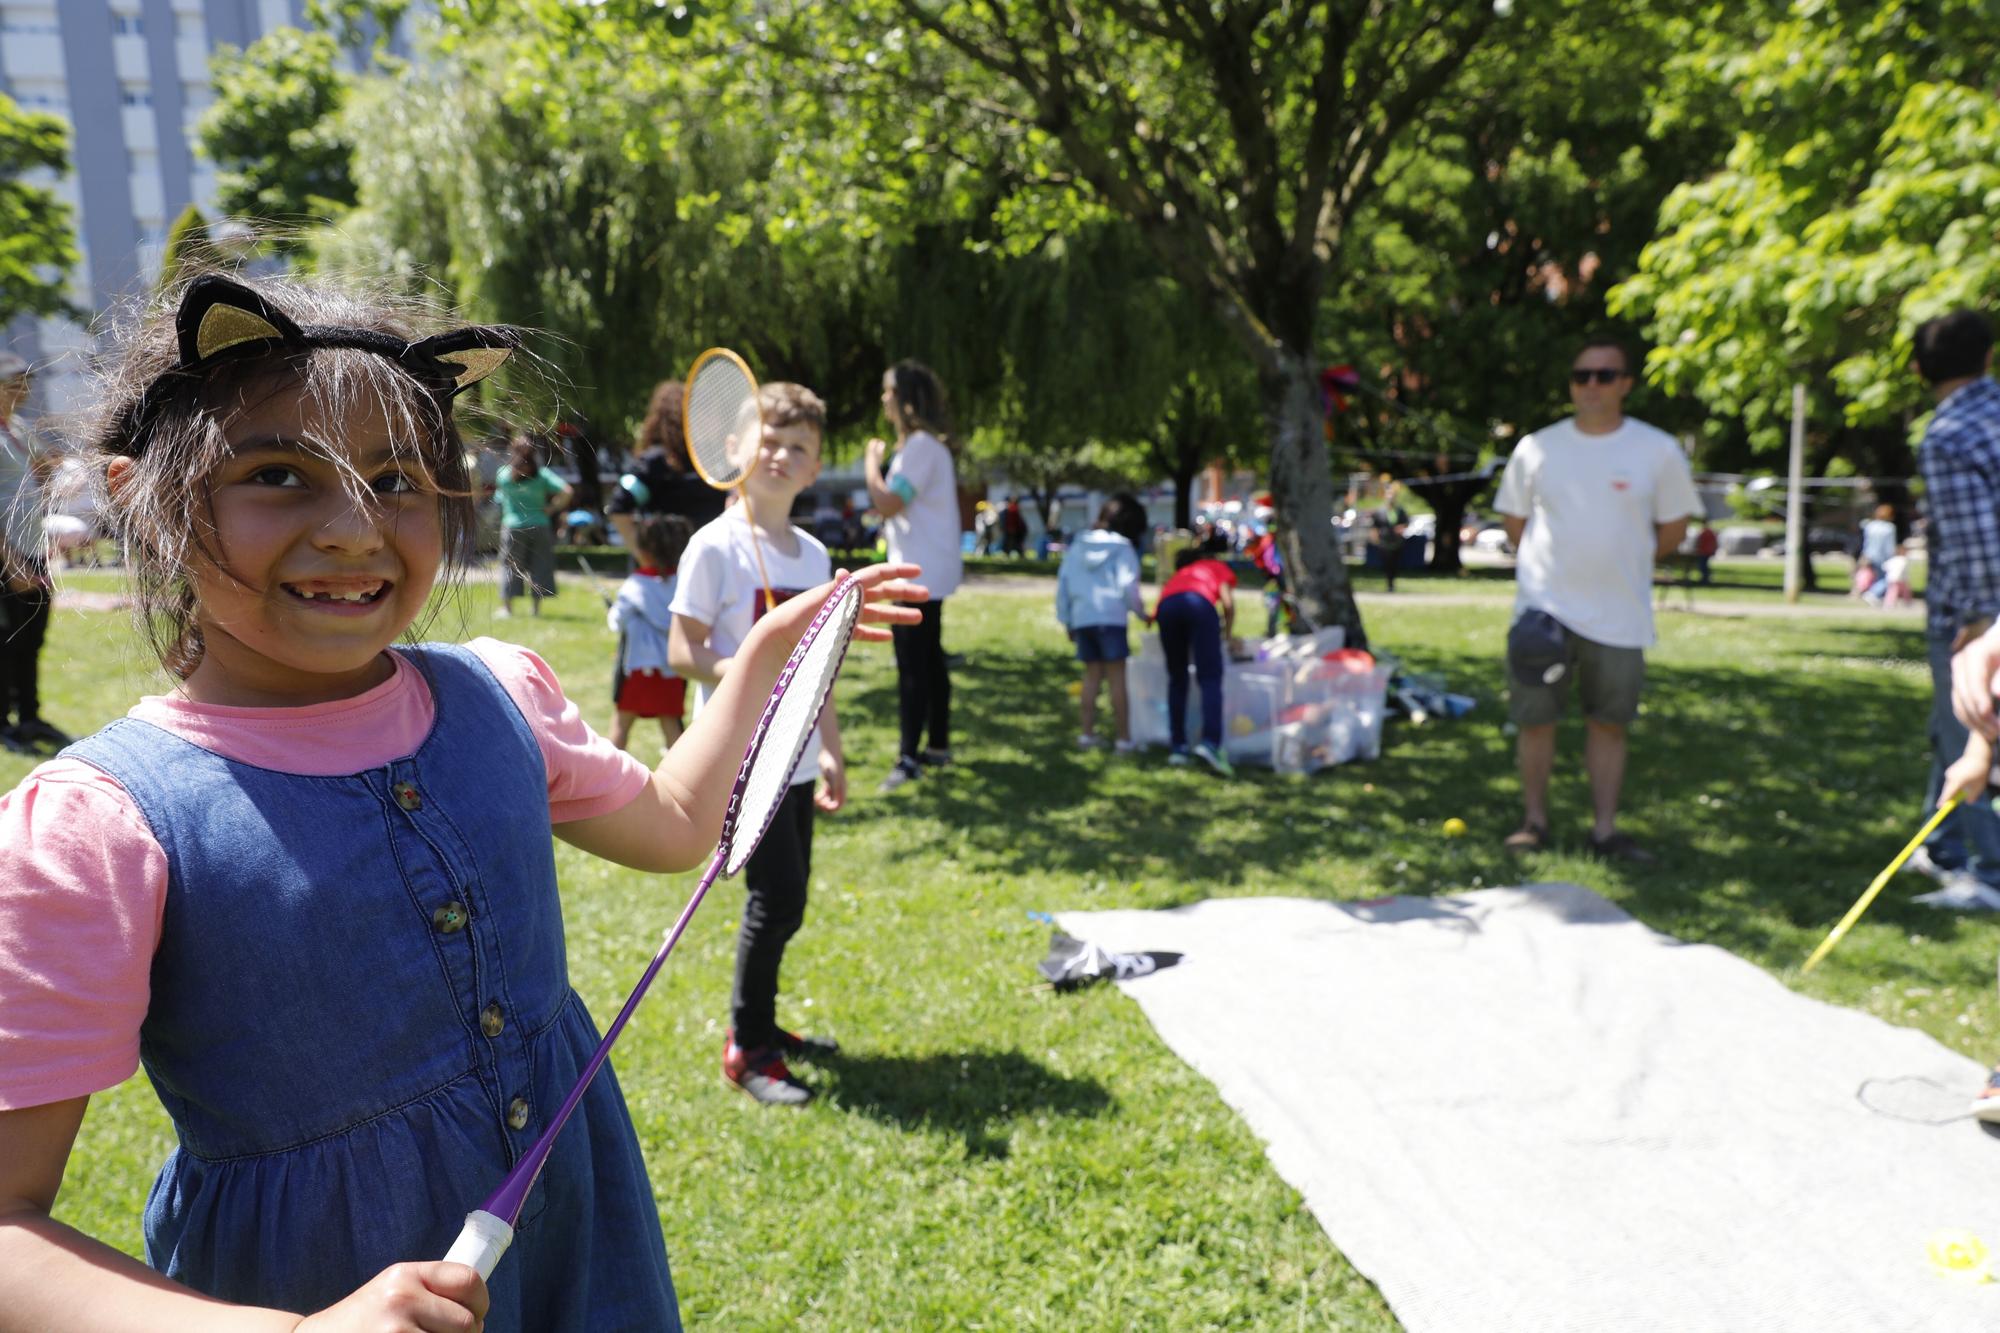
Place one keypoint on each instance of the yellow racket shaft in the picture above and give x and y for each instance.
(1888, 873)
(770, 599)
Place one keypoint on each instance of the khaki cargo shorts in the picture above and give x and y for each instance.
(1609, 682)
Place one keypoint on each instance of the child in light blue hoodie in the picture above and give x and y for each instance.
(1096, 588)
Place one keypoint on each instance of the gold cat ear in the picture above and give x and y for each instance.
(475, 363)
(226, 326)
(463, 357)
(217, 314)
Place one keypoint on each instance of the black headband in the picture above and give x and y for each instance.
(224, 320)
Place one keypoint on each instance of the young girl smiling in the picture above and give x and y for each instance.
(312, 889)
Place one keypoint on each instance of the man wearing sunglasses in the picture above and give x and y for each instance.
(1589, 503)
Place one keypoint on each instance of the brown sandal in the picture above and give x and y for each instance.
(1527, 838)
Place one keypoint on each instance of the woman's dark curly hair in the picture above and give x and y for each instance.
(662, 427)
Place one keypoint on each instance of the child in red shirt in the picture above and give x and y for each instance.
(644, 684)
(1197, 609)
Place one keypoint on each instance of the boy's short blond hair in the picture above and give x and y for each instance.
(786, 404)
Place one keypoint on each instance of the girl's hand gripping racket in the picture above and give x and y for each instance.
(724, 429)
(761, 782)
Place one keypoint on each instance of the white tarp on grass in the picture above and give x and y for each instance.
(1520, 1109)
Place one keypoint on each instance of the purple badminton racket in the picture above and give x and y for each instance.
(761, 782)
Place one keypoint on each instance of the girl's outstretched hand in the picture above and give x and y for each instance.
(436, 1297)
(882, 586)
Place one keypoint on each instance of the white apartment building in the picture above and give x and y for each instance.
(131, 79)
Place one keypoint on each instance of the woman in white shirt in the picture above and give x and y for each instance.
(917, 497)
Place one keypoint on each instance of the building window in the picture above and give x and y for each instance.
(130, 96)
(127, 25)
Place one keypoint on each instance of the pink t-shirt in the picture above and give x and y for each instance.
(83, 883)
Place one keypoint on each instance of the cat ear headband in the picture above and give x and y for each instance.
(224, 320)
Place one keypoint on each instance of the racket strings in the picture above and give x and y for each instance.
(1915, 1099)
(721, 421)
(788, 726)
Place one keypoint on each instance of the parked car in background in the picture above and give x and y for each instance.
(1820, 541)
(1492, 538)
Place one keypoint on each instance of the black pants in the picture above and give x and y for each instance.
(772, 913)
(24, 623)
(923, 686)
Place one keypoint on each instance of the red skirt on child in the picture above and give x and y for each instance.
(647, 693)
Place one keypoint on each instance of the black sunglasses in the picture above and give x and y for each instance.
(1601, 375)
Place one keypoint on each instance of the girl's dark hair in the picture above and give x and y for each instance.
(1124, 515)
(1186, 556)
(662, 427)
(662, 538)
(162, 512)
(920, 397)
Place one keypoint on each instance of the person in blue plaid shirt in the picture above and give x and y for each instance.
(1960, 463)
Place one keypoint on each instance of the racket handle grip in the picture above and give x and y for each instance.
(482, 1242)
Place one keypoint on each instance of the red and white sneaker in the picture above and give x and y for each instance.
(763, 1075)
(794, 1047)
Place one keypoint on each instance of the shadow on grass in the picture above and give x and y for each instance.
(1773, 779)
(972, 1095)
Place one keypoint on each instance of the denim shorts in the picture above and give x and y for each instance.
(1101, 643)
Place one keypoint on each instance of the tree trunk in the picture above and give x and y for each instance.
(1302, 486)
(589, 485)
(1448, 502)
(1184, 496)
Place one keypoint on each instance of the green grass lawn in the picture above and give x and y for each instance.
(990, 1155)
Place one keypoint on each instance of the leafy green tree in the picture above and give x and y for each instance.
(187, 243)
(1466, 284)
(357, 23)
(640, 210)
(275, 134)
(1239, 137)
(1209, 416)
(617, 202)
(37, 235)
(1859, 197)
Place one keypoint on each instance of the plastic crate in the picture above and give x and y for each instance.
(1291, 710)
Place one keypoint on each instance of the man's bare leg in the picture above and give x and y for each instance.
(1604, 760)
(1535, 753)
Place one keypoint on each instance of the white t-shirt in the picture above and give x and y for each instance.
(718, 584)
(926, 531)
(1896, 569)
(1591, 502)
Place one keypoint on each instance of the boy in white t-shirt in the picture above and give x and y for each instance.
(718, 596)
(1590, 503)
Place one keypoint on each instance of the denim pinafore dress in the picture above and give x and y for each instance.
(361, 1017)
